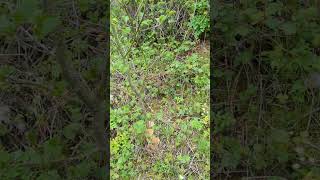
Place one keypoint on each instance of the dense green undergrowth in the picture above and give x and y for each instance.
(159, 76)
(45, 129)
(266, 117)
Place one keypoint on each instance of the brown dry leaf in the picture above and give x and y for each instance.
(155, 141)
(150, 124)
(149, 132)
(151, 146)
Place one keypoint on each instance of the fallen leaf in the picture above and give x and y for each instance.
(150, 124)
(155, 141)
(149, 132)
(151, 146)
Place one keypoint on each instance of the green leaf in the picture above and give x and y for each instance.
(5, 71)
(71, 130)
(27, 11)
(316, 40)
(289, 28)
(243, 58)
(53, 174)
(230, 159)
(223, 121)
(52, 149)
(282, 98)
(4, 158)
(6, 26)
(184, 159)
(139, 127)
(279, 136)
(273, 8)
(196, 124)
(242, 30)
(203, 146)
(162, 18)
(146, 22)
(125, 18)
(32, 137)
(81, 170)
(48, 25)
(259, 158)
(3, 129)
(272, 23)
(254, 16)
(232, 151)
(59, 88)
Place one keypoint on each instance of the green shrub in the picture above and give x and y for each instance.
(263, 53)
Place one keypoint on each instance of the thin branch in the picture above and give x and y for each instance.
(81, 88)
(128, 53)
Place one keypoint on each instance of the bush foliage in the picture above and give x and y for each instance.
(159, 90)
(266, 117)
(45, 128)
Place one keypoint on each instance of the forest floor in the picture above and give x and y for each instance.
(176, 145)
